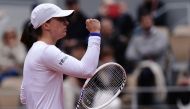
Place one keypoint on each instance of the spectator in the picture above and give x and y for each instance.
(12, 54)
(78, 50)
(149, 74)
(126, 23)
(153, 6)
(76, 29)
(111, 9)
(111, 38)
(147, 43)
(107, 55)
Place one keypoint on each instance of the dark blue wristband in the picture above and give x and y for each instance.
(95, 34)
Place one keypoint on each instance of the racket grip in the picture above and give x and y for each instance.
(80, 99)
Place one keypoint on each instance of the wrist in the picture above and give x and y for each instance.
(95, 34)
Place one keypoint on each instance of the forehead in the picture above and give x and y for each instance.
(9, 32)
(60, 18)
(146, 17)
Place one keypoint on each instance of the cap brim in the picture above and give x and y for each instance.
(64, 13)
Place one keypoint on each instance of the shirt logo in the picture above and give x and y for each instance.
(63, 60)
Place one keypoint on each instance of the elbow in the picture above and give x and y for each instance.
(88, 73)
(22, 96)
(22, 100)
(88, 70)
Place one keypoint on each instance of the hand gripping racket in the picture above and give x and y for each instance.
(101, 89)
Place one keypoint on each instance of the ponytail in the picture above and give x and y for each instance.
(30, 35)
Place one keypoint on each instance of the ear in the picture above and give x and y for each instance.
(46, 26)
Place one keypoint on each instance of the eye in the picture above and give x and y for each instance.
(61, 19)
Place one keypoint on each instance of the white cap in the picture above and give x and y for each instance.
(46, 11)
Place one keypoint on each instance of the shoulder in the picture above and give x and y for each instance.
(136, 39)
(51, 50)
(160, 33)
(44, 50)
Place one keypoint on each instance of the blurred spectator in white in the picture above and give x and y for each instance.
(12, 54)
(153, 6)
(147, 43)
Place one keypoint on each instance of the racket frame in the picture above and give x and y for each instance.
(108, 102)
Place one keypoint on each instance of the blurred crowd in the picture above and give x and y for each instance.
(142, 46)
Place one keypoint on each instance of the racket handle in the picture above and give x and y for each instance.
(78, 104)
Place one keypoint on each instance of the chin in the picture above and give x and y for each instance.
(60, 37)
(64, 34)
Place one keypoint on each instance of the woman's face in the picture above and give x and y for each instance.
(58, 27)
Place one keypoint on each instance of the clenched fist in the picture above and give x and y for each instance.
(93, 25)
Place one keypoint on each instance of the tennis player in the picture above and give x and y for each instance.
(42, 85)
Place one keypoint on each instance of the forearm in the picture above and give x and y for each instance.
(85, 67)
(91, 57)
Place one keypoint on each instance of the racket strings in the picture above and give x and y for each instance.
(117, 79)
(103, 86)
(115, 82)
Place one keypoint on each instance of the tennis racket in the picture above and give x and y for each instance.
(101, 89)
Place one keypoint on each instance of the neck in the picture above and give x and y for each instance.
(47, 38)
